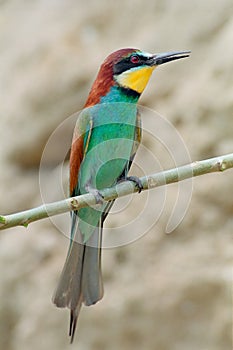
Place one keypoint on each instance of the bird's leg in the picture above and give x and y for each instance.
(98, 196)
(137, 181)
(134, 179)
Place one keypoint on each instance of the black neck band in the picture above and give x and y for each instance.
(129, 92)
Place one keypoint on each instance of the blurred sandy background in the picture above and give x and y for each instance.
(164, 291)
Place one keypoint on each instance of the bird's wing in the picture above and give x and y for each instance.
(81, 137)
(82, 260)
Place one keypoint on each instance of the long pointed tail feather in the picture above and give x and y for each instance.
(92, 285)
(81, 279)
(73, 321)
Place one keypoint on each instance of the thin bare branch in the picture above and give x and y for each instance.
(24, 218)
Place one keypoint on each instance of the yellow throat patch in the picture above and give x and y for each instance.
(135, 79)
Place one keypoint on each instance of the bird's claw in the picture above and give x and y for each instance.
(98, 196)
(137, 181)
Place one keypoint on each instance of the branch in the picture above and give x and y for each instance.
(198, 168)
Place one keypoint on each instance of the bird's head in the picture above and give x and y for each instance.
(129, 69)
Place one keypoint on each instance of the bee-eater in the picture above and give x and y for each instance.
(106, 138)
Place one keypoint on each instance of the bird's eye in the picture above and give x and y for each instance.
(134, 59)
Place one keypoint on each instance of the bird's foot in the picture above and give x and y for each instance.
(137, 181)
(98, 196)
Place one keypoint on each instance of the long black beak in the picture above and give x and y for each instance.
(162, 58)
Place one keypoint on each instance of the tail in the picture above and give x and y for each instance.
(81, 278)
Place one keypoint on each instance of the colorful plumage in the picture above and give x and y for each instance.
(106, 138)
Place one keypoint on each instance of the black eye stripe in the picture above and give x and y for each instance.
(126, 63)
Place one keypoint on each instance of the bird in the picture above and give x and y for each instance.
(106, 137)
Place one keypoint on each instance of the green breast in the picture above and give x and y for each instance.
(109, 144)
